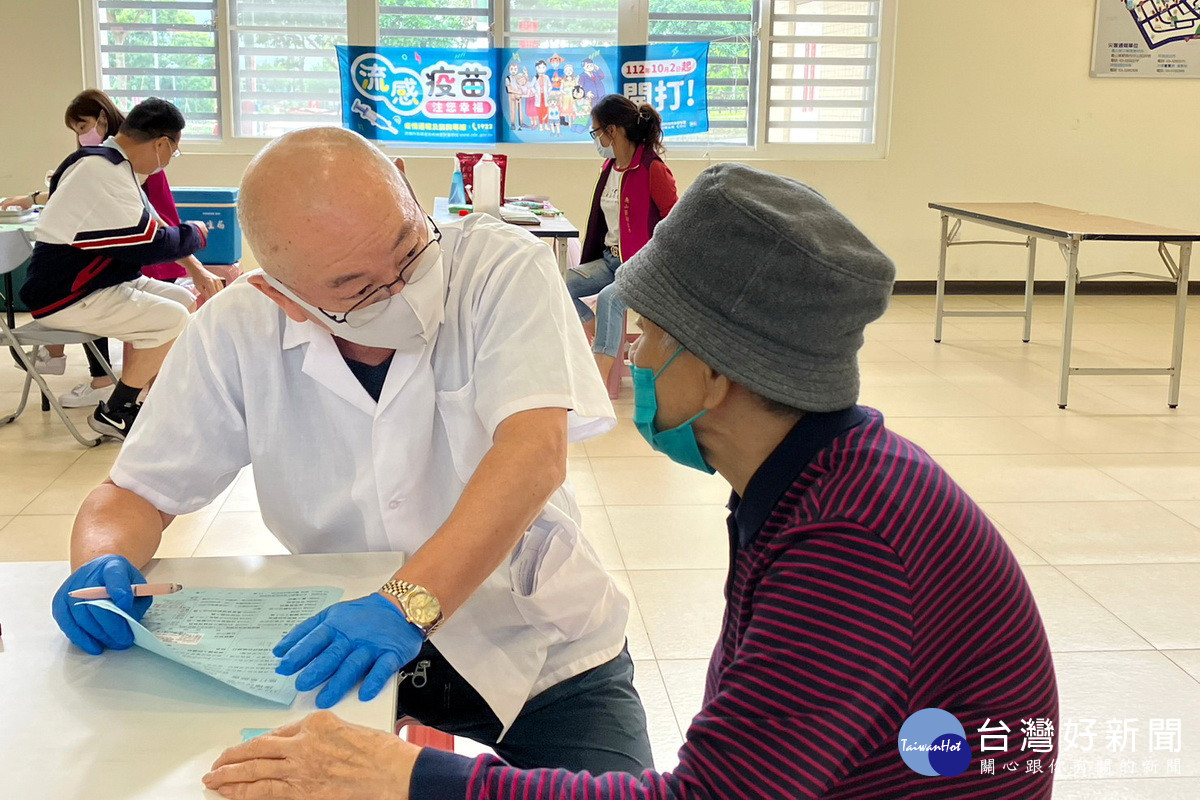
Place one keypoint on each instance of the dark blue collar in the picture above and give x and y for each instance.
(812, 434)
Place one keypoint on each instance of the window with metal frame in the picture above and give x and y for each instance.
(457, 24)
(823, 71)
(162, 48)
(560, 23)
(819, 61)
(285, 67)
(729, 27)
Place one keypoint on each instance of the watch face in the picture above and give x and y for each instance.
(423, 608)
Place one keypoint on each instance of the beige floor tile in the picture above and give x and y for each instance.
(60, 497)
(898, 373)
(926, 401)
(635, 631)
(1158, 788)
(682, 610)
(684, 679)
(583, 481)
(18, 492)
(1160, 602)
(599, 533)
(972, 435)
(1024, 553)
(183, 535)
(1187, 510)
(1113, 435)
(665, 738)
(1136, 686)
(37, 538)
(648, 481)
(671, 537)
(1157, 476)
(1029, 478)
(623, 440)
(1101, 533)
(242, 494)
(239, 533)
(1074, 621)
(1188, 661)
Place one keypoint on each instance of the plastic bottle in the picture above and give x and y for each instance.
(486, 193)
(458, 195)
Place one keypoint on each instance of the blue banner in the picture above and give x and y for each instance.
(458, 97)
(419, 94)
(674, 79)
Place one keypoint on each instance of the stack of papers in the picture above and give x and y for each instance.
(228, 634)
(16, 216)
(516, 215)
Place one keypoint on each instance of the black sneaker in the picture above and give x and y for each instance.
(113, 421)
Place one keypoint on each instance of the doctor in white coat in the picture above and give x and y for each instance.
(397, 387)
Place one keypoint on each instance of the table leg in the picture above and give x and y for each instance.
(562, 250)
(1031, 243)
(941, 279)
(1072, 253)
(1181, 292)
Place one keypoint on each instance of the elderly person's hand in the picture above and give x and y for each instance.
(321, 757)
(206, 283)
(23, 202)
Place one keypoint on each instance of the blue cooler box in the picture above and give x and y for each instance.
(216, 207)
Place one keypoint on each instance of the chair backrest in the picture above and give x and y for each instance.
(15, 246)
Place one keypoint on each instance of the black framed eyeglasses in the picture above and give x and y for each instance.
(376, 301)
(595, 132)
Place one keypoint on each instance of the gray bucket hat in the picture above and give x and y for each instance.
(766, 282)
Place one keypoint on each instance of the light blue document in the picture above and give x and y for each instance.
(228, 633)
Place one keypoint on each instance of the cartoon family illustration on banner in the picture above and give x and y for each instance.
(432, 95)
(557, 98)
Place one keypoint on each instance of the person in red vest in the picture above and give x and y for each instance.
(635, 191)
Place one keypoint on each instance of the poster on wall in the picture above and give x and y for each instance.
(419, 94)
(431, 96)
(1147, 39)
(549, 93)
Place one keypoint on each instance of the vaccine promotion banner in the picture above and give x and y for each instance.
(428, 95)
(549, 93)
(419, 94)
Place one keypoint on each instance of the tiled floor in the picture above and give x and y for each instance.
(1100, 502)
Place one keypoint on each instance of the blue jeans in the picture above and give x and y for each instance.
(593, 721)
(596, 278)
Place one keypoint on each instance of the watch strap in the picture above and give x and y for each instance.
(400, 590)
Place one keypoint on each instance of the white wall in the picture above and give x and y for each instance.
(992, 101)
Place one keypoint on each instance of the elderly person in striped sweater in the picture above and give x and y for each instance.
(879, 639)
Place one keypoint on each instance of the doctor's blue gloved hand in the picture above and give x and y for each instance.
(93, 629)
(367, 639)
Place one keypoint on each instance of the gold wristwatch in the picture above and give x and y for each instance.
(419, 605)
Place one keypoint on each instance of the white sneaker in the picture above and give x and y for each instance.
(84, 395)
(50, 366)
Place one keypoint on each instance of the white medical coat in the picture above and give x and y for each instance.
(337, 472)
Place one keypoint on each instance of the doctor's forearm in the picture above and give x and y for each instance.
(524, 467)
(115, 520)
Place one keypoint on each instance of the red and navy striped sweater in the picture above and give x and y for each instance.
(98, 230)
(865, 586)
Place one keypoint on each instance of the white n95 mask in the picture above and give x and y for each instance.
(408, 322)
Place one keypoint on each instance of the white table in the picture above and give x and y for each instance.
(559, 230)
(1069, 229)
(129, 724)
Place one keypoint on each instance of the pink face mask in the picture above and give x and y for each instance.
(91, 138)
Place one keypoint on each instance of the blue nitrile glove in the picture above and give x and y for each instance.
(93, 629)
(368, 637)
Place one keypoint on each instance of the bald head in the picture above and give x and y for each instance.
(322, 200)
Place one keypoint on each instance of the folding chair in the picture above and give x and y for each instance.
(37, 336)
